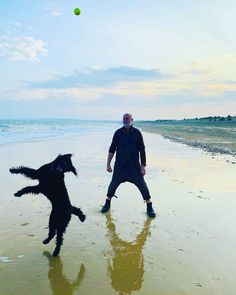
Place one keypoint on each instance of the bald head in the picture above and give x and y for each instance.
(127, 115)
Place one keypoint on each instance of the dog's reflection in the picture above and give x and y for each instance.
(127, 267)
(60, 285)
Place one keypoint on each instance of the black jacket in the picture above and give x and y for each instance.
(128, 145)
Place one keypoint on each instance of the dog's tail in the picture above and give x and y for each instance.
(76, 211)
(28, 172)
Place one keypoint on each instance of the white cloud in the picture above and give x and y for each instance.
(56, 13)
(128, 90)
(18, 24)
(210, 77)
(22, 48)
(184, 85)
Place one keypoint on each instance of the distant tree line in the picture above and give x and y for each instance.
(216, 118)
(210, 118)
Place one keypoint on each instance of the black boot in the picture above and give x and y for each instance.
(106, 207)
(150, 212)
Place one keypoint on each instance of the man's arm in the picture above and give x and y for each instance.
(111, 152)
(142, 154)
(109, 158)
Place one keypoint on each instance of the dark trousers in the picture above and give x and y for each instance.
(128, 172)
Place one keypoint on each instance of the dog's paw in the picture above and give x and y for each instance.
(12, 170)
(82, 217)
(17, 194)
(46, 241)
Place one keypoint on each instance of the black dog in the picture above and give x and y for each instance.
(52, 185)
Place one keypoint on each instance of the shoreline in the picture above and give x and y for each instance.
(194, 141)
(206, 147)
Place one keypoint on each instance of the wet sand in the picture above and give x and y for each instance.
(188, 249)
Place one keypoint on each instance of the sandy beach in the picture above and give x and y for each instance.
(189, 248)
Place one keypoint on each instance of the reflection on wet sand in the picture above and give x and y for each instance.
(60, 285)
(127, 267)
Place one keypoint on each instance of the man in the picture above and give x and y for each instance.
(128, 144)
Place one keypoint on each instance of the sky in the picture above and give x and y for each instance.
(156, 59)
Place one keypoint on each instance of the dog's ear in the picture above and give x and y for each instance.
(69, 155)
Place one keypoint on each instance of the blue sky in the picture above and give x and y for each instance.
(155, 59)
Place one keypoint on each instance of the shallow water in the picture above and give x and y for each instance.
(187, 249)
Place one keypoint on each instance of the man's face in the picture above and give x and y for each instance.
(127, 120)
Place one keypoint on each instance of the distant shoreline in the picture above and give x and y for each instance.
(205, 147)
(213, 137)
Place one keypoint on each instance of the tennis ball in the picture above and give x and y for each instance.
(77, 11)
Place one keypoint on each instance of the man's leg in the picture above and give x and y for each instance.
(117, 179)
(111, 193)
(137, 179)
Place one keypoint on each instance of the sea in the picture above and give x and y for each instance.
(14, 131)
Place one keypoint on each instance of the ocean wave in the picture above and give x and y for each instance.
(19, 131)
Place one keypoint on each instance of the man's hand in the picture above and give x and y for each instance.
(109, 169)
(109, 158)
(143, 170)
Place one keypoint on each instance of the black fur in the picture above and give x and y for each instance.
(52, 185)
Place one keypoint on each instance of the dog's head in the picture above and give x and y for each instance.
(63, 164)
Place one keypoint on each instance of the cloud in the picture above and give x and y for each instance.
(209, 78)
(214, 76)
(214, 89)
(197, 83)
(92, 84)
(129, 83)
(22, 48)
(197, 72)
(18, 24)
(100, 77)
(112, 110)
(131, 91)
(213, 68)
(56, 13)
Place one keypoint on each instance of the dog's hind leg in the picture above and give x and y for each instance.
(61, 229)
(76, 211)
(51, 235)
(28, 190)
(52, 228)
(59, 242)
(28, 172)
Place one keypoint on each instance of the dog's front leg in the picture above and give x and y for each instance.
(77, 211)
(28, 190)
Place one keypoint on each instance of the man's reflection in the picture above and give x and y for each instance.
(127, 268)
(60, 285)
